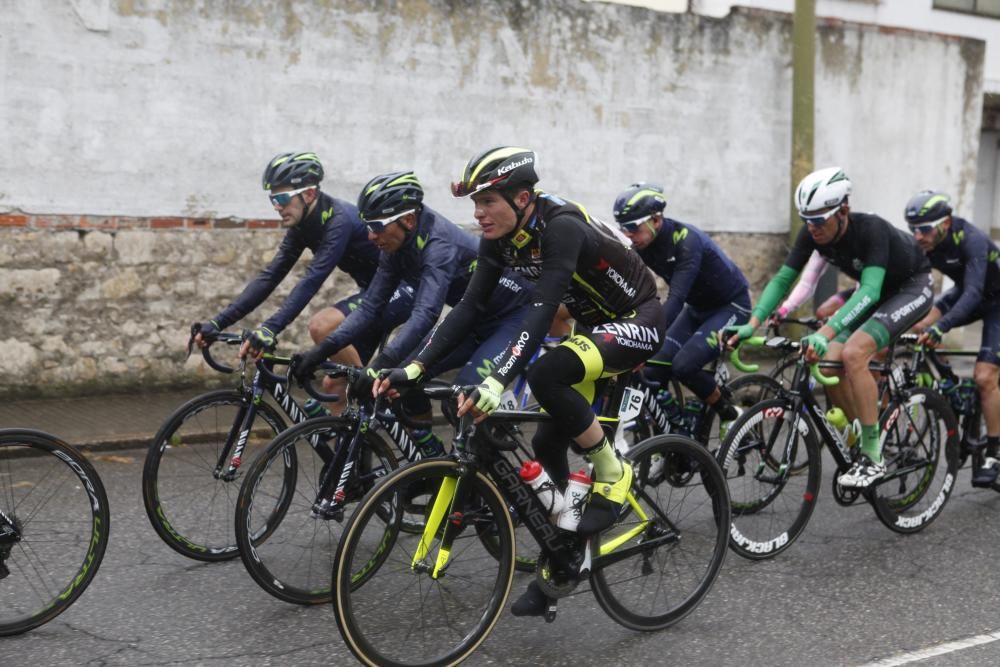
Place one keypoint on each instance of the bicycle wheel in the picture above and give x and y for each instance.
(54, 498)
(771, 502)
(920, 451)
(190, 508)
(390, 607)
(747, 390)
(285, 545)
(663, 573)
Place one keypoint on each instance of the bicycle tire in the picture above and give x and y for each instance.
(920, 450)
(771, 503)
(656, 588)
(286, 548)
(188, 507)
(57, 500)
(386, 617)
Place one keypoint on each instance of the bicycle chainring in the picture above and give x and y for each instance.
(553, 583)
(844, 495)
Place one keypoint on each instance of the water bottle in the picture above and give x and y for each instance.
(838, 420)
(669, 405)
(534, 475)
(314, 408)
(575, 500)
(692, 415)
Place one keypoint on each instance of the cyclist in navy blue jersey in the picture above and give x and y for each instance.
(964, 253)
(707, 292)
(893, 295)
(573, 259)
(423, 248)
(332, 230)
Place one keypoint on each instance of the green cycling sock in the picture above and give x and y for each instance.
(607, 466)
(870, 445)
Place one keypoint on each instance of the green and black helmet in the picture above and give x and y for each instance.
(390, 195)
(295, 169)
(639, 201)
(927, 206)
(502, 168)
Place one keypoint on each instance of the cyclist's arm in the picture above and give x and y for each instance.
(325, 260)
(806, 286)
(947, 300)
(861, 302)
(459, 322)
(974, 251)
(559, 259)
(439, 264)
(688, 252)
(261, 287)
(778, 287)
(376, 297)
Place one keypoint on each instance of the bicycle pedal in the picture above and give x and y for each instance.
(550, 611)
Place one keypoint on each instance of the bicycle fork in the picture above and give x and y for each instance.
(444, 502)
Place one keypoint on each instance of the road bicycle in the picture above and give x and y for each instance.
(54, 528)
(431, 598)
(772, 459)
(194, 465)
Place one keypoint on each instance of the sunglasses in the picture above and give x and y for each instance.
(378, 226)
(819, 218)
(926, 228)
(282, 198)
(632, 226)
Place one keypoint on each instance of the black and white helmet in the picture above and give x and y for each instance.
(822, 189)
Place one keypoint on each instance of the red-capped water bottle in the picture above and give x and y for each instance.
(534, 475)
(574, 500)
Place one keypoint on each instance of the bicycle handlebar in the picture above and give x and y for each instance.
(225, 338)
(734, 356)
(330, 369)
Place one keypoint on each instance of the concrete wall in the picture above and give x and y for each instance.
(155, 118)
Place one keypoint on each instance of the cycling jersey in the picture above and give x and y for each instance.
(337, 238)
(438, 258)
(972, 260)
(868, 241)
(574, 259)
(696, 269)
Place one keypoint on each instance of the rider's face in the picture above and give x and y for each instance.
(494, 214)
(391, 238)
(641, 235)
(297, 207)
(826, 232)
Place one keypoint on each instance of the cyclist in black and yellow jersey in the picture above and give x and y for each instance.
(894, 293)
(579, 261)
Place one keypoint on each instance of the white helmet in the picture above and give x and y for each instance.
(822, 189)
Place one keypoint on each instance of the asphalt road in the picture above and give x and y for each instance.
(849, 592)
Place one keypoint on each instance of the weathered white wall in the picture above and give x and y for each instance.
(131, 112)
(171, 108)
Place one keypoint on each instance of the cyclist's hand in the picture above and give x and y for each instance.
(484, 400)
(931, 337)
(387, 377)
(737, 333)
(364, 384)
(205, 333)
(303, 365)
(259, 341)
(814, 347)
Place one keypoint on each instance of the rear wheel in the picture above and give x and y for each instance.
(921, 452)
(664, 571)
(53, 529)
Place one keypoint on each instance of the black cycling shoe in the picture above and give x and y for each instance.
(532, 602)
(986, 475)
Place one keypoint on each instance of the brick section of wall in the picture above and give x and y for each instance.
(114, 223)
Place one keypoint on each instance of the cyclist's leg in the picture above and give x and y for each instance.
(321, 325)
(892, 317)
(987, 374)
(659, 367)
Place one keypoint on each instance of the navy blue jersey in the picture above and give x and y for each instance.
(970, 259)
(696, 269)
(337, 238)
(438, 258)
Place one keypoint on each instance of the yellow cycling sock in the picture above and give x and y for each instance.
(607, 465)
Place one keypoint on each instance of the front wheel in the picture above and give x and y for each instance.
(429, 598)
(920, 450)
(53, 528)
(772, 464)
(679, 527)
(285, 545)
